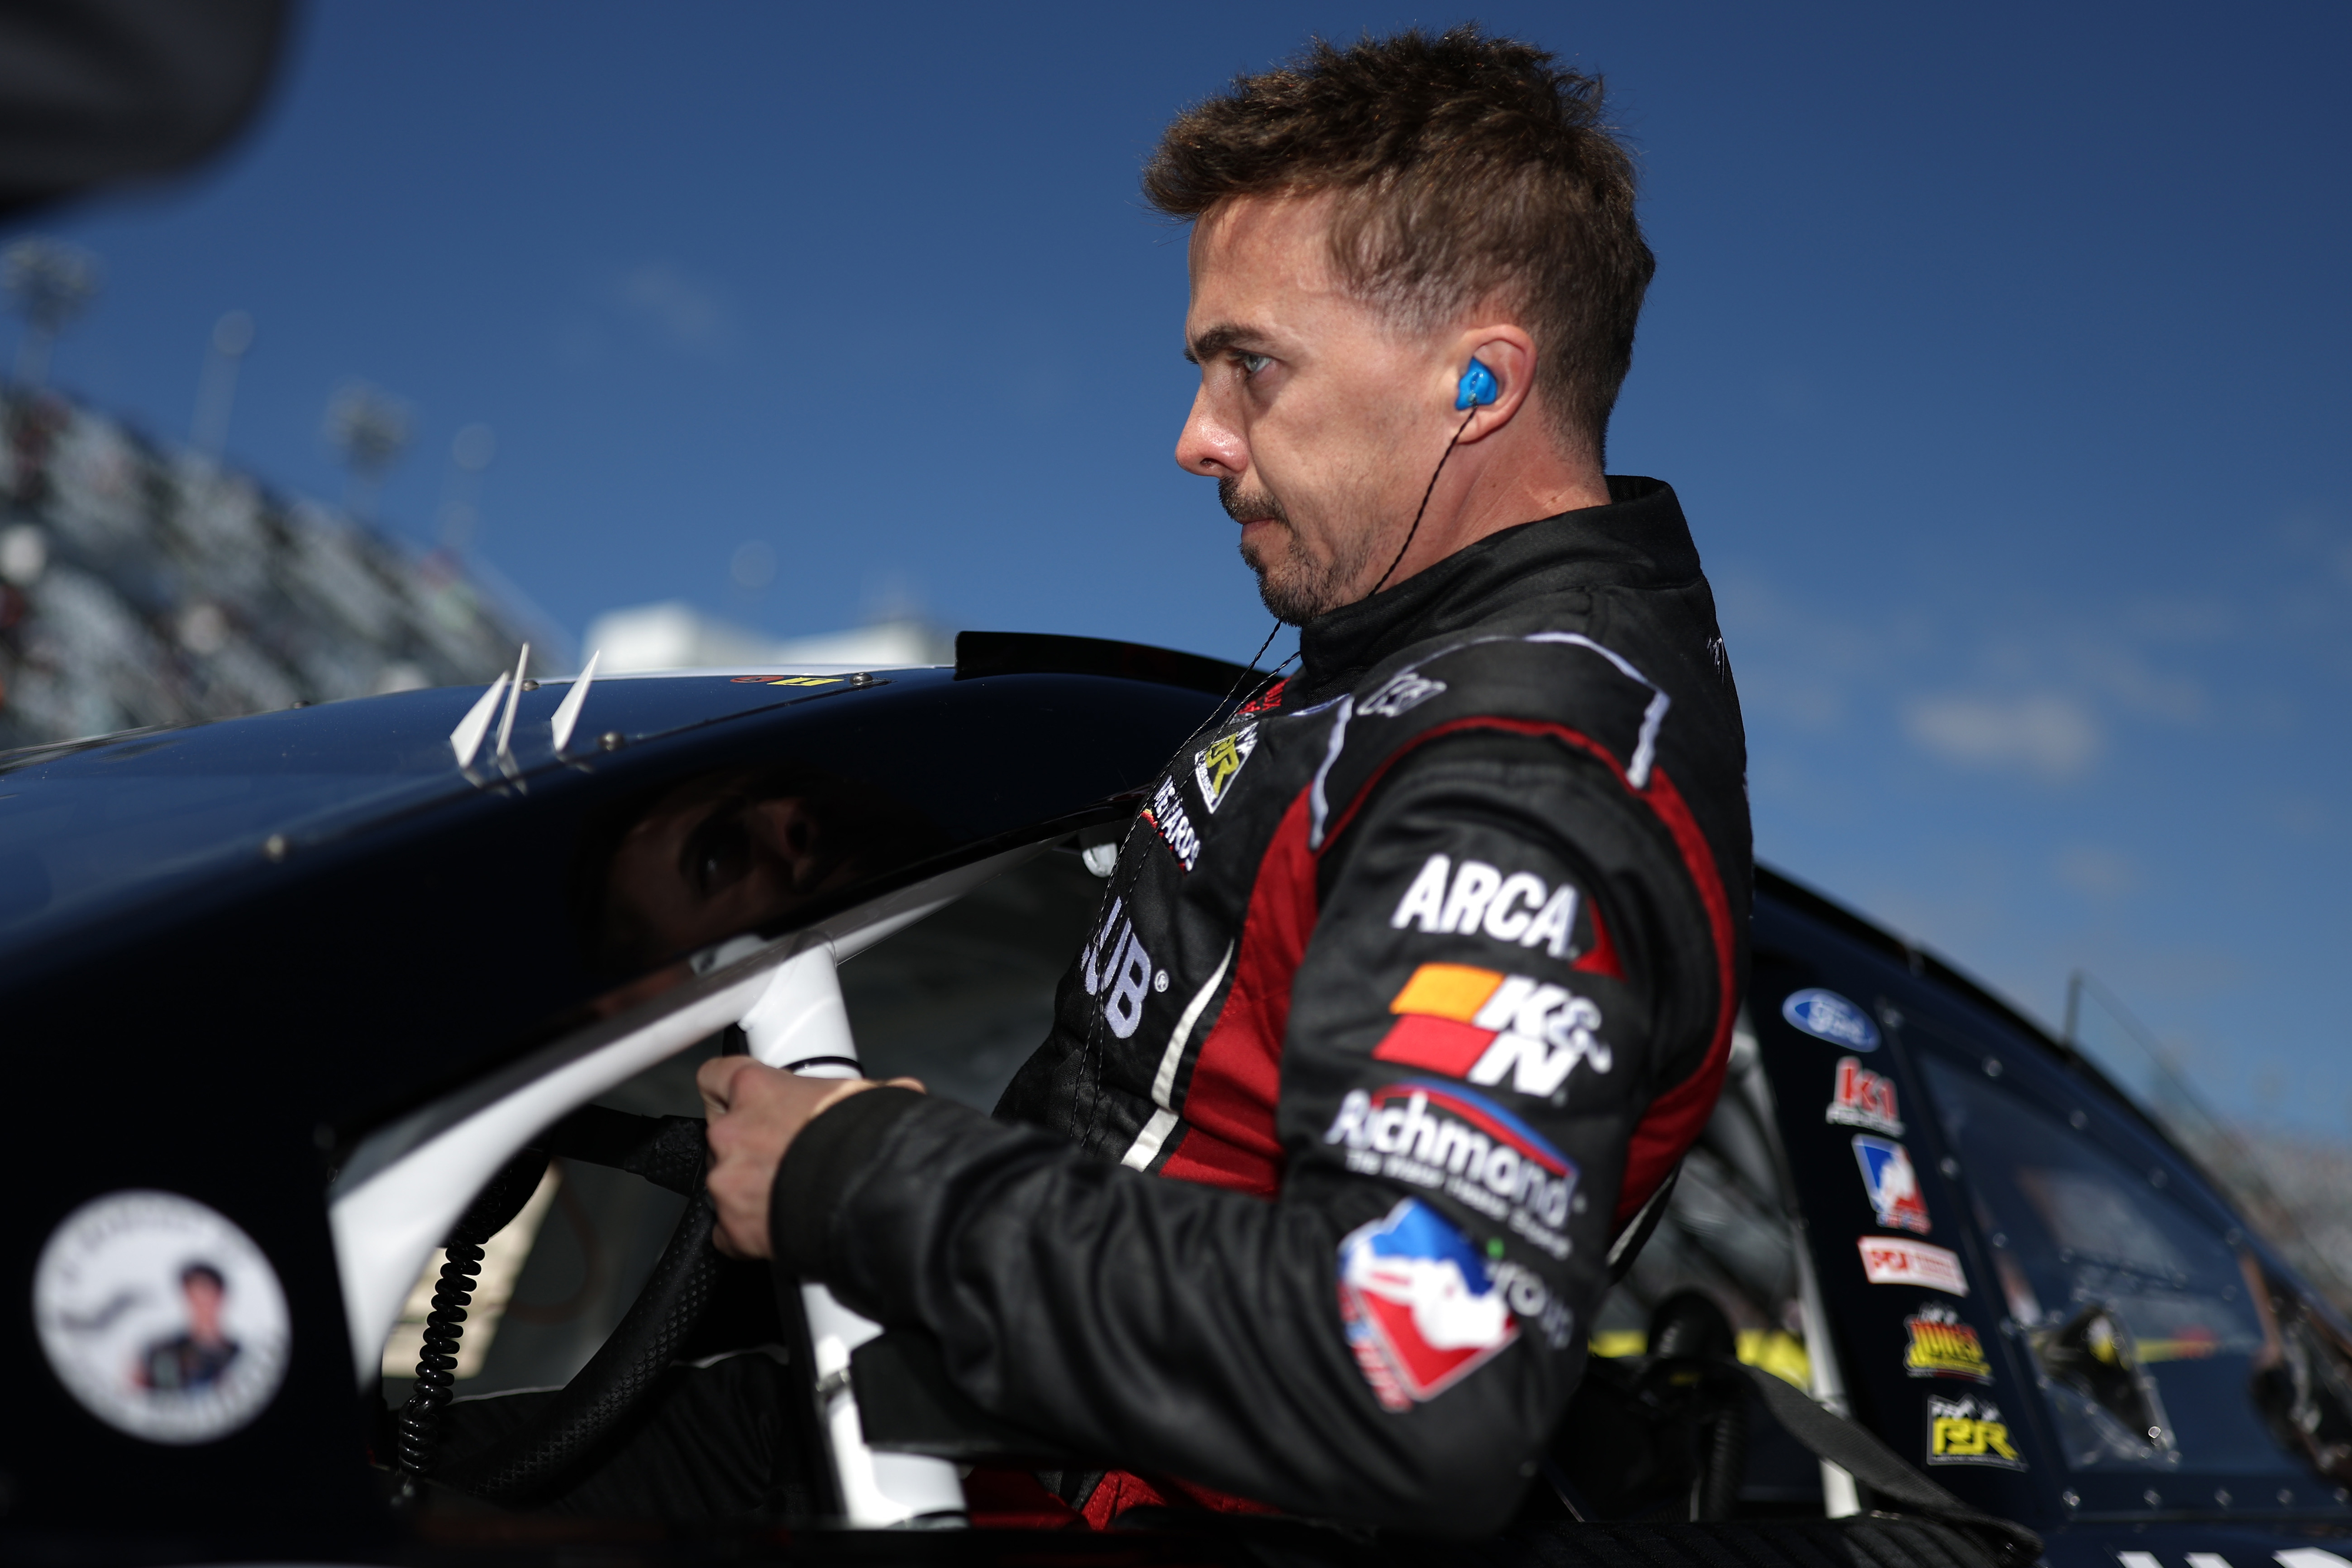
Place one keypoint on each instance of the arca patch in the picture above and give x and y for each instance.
(1439, 1137)
(1863, 1099)
(160, 1316)
(1968, 1430)
(1486, 1026)
(1477, 898)
(1941, 1345)
(1420, 1309)
(1892, 1181)
(1898, 1261)
(1215, 765)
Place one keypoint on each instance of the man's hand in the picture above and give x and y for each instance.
(755, 1113)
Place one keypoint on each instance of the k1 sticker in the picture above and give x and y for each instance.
(1863, 1099)
(1827, 1016)
(161, 1317)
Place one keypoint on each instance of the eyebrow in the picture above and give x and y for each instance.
(1225, 335)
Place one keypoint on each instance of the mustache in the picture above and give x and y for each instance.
(1244, 506)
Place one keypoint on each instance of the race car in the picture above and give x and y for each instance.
(357, 1157)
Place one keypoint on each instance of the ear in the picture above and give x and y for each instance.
(1509, 354)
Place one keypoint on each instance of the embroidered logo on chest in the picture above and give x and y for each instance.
(1168, 818)
(1215, 766)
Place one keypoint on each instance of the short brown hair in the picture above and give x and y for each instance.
(1467, 169)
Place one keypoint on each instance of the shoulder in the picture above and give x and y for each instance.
(1588, 700)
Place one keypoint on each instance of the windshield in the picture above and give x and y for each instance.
(2156, 1342)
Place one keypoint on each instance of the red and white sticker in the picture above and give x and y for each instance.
(1863, 1099)
(1896, 1261)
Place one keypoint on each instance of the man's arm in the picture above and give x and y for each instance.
(1393, 1337)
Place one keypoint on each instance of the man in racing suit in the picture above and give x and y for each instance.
(1416, 972)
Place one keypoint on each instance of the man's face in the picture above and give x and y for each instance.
(710, 860)
(1311, 414)
(204, 1308)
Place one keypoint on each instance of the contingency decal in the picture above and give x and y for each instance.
(1898, 1261)
(160, 1316)
(1422, 1313)
(1827, 1016)
(1863, 1099)
(1441, 1136)
(1892, 1181)
(1482, 1024)
(1941, 1345)
(1968, 1430)
(790, 680)
(1215, 765)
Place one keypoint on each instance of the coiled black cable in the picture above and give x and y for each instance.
(436, 1364)
(501, 1199)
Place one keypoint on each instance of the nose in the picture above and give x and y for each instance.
(1209, 445)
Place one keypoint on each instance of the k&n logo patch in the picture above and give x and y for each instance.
(1484, 1026)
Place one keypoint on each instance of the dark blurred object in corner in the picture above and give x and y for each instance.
(93, 93)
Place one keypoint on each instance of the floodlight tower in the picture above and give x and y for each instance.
(469, 453)
(369, 429)
(50, 283)
(216, 393)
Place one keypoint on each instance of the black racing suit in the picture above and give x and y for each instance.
(1417, 975)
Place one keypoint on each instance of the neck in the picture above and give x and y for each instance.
(1496, 483)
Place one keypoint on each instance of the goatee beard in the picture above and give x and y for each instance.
(1299, 589)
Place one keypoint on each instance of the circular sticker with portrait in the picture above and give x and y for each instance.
(160, 1316)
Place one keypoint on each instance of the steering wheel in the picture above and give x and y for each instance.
(548, 1453)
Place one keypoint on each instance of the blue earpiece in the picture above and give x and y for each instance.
(1477, 388)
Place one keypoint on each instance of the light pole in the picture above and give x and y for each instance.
(368, 428)
(216, 393)
(469, 453)
(50, 283)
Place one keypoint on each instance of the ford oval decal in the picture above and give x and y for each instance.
(1827, 1016)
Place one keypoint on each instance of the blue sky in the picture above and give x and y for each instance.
(1998, 354)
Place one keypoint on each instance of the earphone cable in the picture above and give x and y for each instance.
(1423, 508)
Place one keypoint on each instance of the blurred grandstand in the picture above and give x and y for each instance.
(144, 586)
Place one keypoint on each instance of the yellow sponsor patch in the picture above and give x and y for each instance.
(1448, 991)
(1969, 1431)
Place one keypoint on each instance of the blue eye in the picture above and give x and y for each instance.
(1252, 363)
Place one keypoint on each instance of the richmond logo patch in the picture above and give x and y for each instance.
(1451, 1141)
